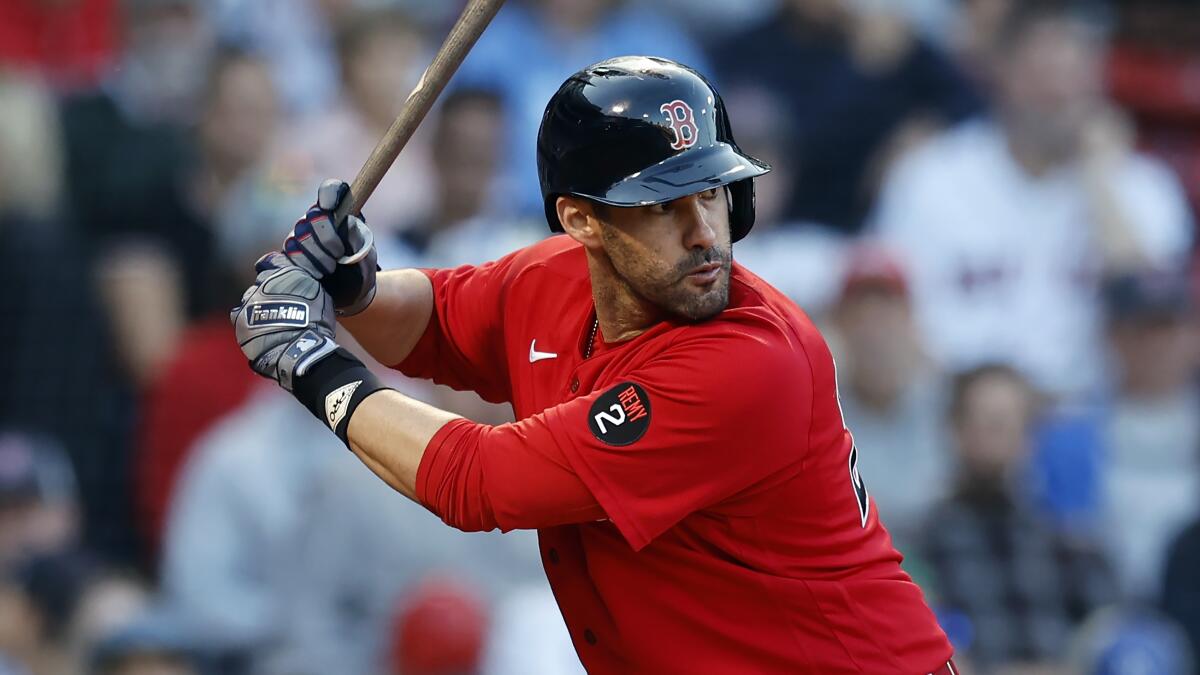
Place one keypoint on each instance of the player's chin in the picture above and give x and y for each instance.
(705, 303)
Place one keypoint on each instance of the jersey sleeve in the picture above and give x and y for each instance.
(463, 345)
(705, 420)
(478, 478)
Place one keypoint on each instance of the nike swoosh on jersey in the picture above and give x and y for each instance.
(535, 355)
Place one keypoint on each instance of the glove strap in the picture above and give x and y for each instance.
(334, 387)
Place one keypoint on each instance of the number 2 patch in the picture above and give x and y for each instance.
(620, 415)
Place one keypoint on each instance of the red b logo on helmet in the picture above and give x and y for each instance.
(679, 114)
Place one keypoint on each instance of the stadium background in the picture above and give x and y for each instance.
(989, 211)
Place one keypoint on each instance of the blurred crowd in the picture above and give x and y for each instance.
(987, 205)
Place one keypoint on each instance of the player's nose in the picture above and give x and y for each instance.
(699, 230)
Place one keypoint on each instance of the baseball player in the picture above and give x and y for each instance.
(680, 446)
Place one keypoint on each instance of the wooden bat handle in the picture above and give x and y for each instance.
(475, 18)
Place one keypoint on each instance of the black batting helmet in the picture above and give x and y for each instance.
(642, 130)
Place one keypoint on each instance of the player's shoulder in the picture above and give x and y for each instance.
(555, 255)
(545, 265)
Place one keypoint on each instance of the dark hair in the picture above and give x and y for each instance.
(465, 97)
(964, 381)
(226, 58)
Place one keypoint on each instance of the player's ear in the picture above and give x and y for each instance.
(579, 220)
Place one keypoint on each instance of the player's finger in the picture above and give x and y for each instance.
(320, 225)
(311, 260)
(331, 193)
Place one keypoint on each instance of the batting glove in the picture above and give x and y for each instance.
(317, 244)
(284, 323)
(285, 327)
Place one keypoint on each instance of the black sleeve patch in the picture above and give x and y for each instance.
(620, 415)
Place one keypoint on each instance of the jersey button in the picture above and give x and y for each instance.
(589, 636)
(552, 554)
(574, 384)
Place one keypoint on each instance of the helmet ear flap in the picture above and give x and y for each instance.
(741, 208)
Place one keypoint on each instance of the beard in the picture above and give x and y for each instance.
(668, 286)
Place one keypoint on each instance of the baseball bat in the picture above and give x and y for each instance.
(470, 25)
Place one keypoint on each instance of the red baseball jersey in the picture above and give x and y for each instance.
(694, 488)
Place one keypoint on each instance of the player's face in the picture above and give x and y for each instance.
(676, 255)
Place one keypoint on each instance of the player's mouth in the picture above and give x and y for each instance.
(705, 274)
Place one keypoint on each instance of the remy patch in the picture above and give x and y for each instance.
(620, 415)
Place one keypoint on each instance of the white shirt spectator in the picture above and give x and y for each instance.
(238, 499)
(1003, 264)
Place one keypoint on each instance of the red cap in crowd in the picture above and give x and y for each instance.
(439, 629)
(872, 266)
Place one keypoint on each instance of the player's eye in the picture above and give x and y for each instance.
(709, 194)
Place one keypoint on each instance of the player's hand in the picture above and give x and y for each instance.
(317, 243)
(285, 321)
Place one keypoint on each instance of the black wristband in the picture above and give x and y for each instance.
(334, 387)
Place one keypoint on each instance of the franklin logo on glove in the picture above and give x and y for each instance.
(278, 314)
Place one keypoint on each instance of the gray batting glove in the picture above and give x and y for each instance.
(285, 322)
(341, 256)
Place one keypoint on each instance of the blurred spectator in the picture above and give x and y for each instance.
(1130, 641)
(350, 520)
(469, 224)
(532, 46)
(891, 397)
(293, 36)
(382, 55)
(239, 497)
(69, 43)
(238, 120)
(1022, 586)
(1150, 471)
(856, 82)
(205, 375)
(39, 511)
(1009, 224)
(439, 629)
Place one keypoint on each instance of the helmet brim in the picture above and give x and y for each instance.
(684, 174)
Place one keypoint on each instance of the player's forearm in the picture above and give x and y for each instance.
(389, 433)
(395, 320)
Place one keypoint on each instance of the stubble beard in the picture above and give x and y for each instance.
(672, 291)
